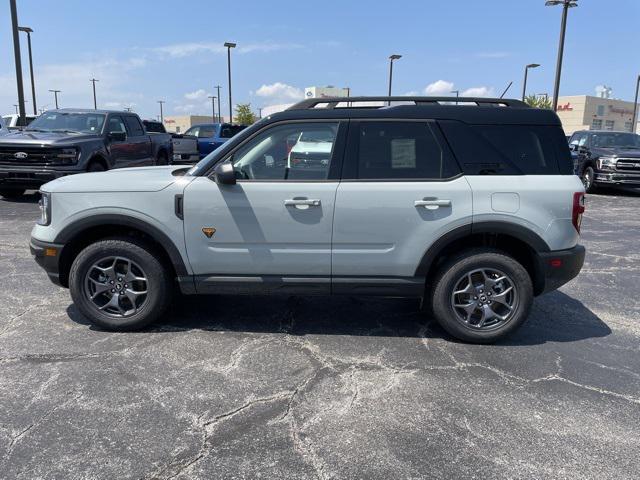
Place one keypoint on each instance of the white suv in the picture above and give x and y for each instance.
(474, 208)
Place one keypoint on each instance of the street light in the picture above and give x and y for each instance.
(566, 5)
(634, 119)
(218, 87)
(259, 112)
(95, 104)
(391, 59)
(229, 46)
(29, 31)
(18, 61)
(55, 94)
(16, 105)
(457, 92)
(213, 108)
(161, 113)
(524, 84)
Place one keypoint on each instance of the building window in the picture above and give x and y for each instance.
(627, 126)
(596, 124)
(600, 110)
(177, 129)
(609, 124)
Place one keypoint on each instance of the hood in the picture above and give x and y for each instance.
(616, 152)
(141, 179)
(44, 138)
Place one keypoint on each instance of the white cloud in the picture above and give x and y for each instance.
(493, 54)
(188, 108)
(279, 91)
(479, 92)
(199, 94)
(439, 88)
(179, 50)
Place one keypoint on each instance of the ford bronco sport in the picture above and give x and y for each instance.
(473, 208)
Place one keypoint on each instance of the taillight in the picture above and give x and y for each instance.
(577, 210)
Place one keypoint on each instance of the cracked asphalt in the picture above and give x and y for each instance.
(317, 388)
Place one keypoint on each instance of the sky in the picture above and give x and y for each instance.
(144, 51)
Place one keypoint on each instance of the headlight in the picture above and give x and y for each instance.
(45, 208)
(606, 163)
(67, 156)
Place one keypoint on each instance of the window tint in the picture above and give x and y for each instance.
(206, 132)
(155, 127)
(300, 151)
(226, 131)
(116, 125)
(133, 124)
(402, 150)
(509, 149)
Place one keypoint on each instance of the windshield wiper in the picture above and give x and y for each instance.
(34, 130)
(64, 130)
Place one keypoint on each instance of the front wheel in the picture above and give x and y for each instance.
(119, 284)
(587, 177)
(482, 295)
(11, 193)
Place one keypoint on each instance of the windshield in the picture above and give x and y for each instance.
(68, 122)
(618, 140)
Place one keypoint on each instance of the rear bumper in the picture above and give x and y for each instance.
(617, 178)
(560, 266)
(187, 158)
(47, 255)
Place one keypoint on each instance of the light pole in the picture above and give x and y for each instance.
(566, 5)
(213, 108)
(16, 105)
(229, 46)
(55, 95)
(95, 104)
(18, 62)
(634, 119)
(457, 92)
(391, 59)
(161, 113)
(29, 31)
(218, 87)
(259, 112)
(526, 71)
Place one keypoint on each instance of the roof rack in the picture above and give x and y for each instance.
(347, 102)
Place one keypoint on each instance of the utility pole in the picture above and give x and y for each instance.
(29, 31)
(95, 104)
(218, 87)
(161, 112)
(55, 94)
(213, 108)
(634, 119)
(18, 62)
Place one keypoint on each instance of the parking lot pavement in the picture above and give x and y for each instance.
(235, 387)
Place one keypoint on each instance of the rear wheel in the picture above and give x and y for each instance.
(11, 193)
(482, 295)
(119, 284)
(587, 177)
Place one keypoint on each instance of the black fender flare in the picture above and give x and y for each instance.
(73, 229)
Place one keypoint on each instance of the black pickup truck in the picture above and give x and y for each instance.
(606, 158)
(67, 141)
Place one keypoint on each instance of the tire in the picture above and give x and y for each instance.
(11, 193)
(96, 167)
(472, 324)
(162, 158)
(587, 177)
(90, 275)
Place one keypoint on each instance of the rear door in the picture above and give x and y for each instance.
(139, 142)
(401, 190)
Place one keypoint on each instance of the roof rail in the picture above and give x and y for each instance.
(333, 102)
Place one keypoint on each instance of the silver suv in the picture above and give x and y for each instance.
(472, 207)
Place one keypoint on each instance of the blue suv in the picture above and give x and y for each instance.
(212, 135)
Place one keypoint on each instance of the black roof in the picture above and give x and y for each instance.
(467, 109)
(88, 110)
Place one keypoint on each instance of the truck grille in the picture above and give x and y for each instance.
(29, 156)
(628, 164)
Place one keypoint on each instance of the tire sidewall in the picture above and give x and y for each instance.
(157, 285)
(451, 274)
(588, 170)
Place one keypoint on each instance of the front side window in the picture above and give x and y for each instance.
(402, 150)
(116, 125)
(300, 151)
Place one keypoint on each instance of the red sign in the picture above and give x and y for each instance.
(564, 108)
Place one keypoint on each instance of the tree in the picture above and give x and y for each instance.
(244, 115)
(538, 102)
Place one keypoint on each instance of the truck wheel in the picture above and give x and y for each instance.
(587, 177)
(482, 295)
(162, 159)
(96, 167)
(11, 193)
(119, 284)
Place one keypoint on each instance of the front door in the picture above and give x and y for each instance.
(273, 227)
(119, 150)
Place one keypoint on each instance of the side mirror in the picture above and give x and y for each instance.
(224, 173)
(118, 136)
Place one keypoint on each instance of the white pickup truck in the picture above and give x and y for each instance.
(12, 122)
(185, 147)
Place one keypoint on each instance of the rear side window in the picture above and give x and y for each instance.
(154, 127)
(133, 124)
(509, 149)
(402, 150)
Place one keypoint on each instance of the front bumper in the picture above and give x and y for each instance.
(47, 255)
(617, 178)
(560, 266)
(30, 178)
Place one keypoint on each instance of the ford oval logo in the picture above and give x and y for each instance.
(20, 155)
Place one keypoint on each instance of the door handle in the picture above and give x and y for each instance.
(432, 204)
(302, 203)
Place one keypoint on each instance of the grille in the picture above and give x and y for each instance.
(632, 164)
(35, 155)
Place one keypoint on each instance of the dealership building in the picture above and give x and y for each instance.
(181, 123)
(585, 112)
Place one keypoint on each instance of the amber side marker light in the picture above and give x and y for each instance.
(50, 252)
